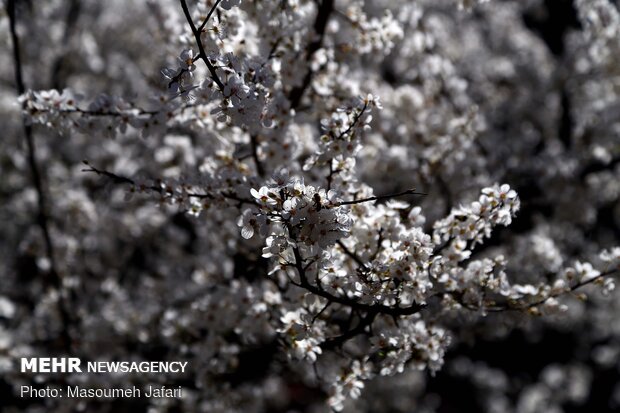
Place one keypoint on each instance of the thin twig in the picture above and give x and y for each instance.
(332, 171)
(355, 121)
(352, 255)
(197, 33)
(359, 329)
(330, 175)
(254, 144)
(206, 20)
(380, 197)
(54, 277)
(528, 306)
(120, 179)
(114, 114)
(317, 315)
(42, 218)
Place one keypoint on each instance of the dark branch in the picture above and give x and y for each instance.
(355, 121)
(113, 114)
(345, 301)
(352, 255)
(259, 167)
(42, 218)
(511, 307)
(206, 20)
(320, 24)
(119, 179)
(59, 71)
(359, 329)
(202, 53)
(380, 197)
(54, 278)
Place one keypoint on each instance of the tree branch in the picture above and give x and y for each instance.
(119, 179)
(348, 302)
(352, 255)
(359, 329)
(206, 20)
(54, 278)
(528, 306)
(202, 54)
(320, 24)
(380, 197)
(42, 217)
(259, 166)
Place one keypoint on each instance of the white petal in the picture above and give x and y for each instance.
(247, 232)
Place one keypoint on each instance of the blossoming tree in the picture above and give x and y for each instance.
(320, 204)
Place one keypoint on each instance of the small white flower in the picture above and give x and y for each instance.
(585, 271)
(416, 217)
(186, 60)
(264, 196)
(250, 223)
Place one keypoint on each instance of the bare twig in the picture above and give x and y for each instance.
(197, 33)
(254, 143)
(206, 20)
(380, 197)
